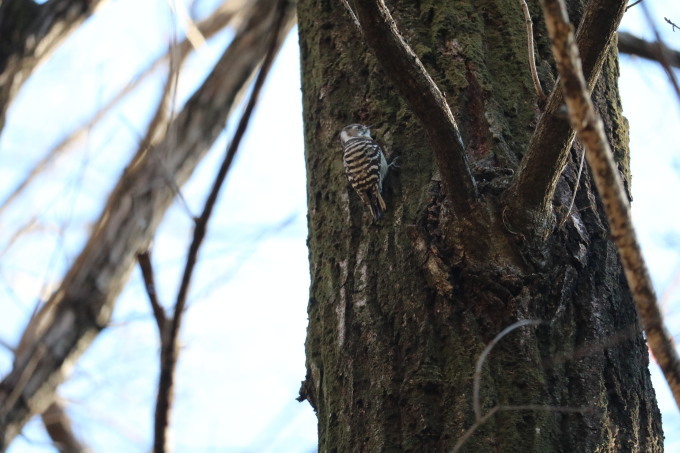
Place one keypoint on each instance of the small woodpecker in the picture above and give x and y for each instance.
(365, 166)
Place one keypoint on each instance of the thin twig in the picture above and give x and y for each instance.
(524, 407)
(674, 26)
(169, 350)
(191, 30)
(5, 344)
(145, 266)
(576, 184)
(479, 421)
(633, 4)
(588, 126)
(663, 57)
(29, 226)
(351, 13)
(476, 383)
(530, 48)
(626, 334)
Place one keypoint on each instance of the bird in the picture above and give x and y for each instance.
(365, 166)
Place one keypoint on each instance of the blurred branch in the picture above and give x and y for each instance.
(524, 407)
(530, 196)
(193, 34)
(28, 226)
(144, 260)
(30, 32)
(590, 130)
(632, 45)
(223, 16)
(661, 49)
(82, 305)
(633, 4)
(169, 346)
(58, 426)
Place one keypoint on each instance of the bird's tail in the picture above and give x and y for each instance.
(377, 205)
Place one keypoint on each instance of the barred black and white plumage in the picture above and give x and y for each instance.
(365, 166)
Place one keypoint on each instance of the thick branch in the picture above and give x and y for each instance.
(590, 130)
(633, 45)
(30, 33)
(85, 299)
(416, 86)
(530, 197)
(58, 426)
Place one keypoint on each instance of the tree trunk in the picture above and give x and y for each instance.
(401, 309)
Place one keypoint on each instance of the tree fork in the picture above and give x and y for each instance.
(530, 197)
(415, 85)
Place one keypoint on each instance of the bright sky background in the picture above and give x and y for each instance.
(243, 357)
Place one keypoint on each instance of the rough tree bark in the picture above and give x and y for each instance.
(401, 309)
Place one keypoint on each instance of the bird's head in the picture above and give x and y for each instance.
(354, 130)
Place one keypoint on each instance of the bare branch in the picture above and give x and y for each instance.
(145, 266)
(28, 226)
(530, 197)
(590, 130)
(530, 49)
(663, 58)
(193, 34)
(633, 45)
(58, 426)
(479, 421)
(351, 13)
(208, 27)
(670, 22)
(169, 347)
(525, 407)
(25, 47)
(409, 76)
(633, 4)
(83, 303)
